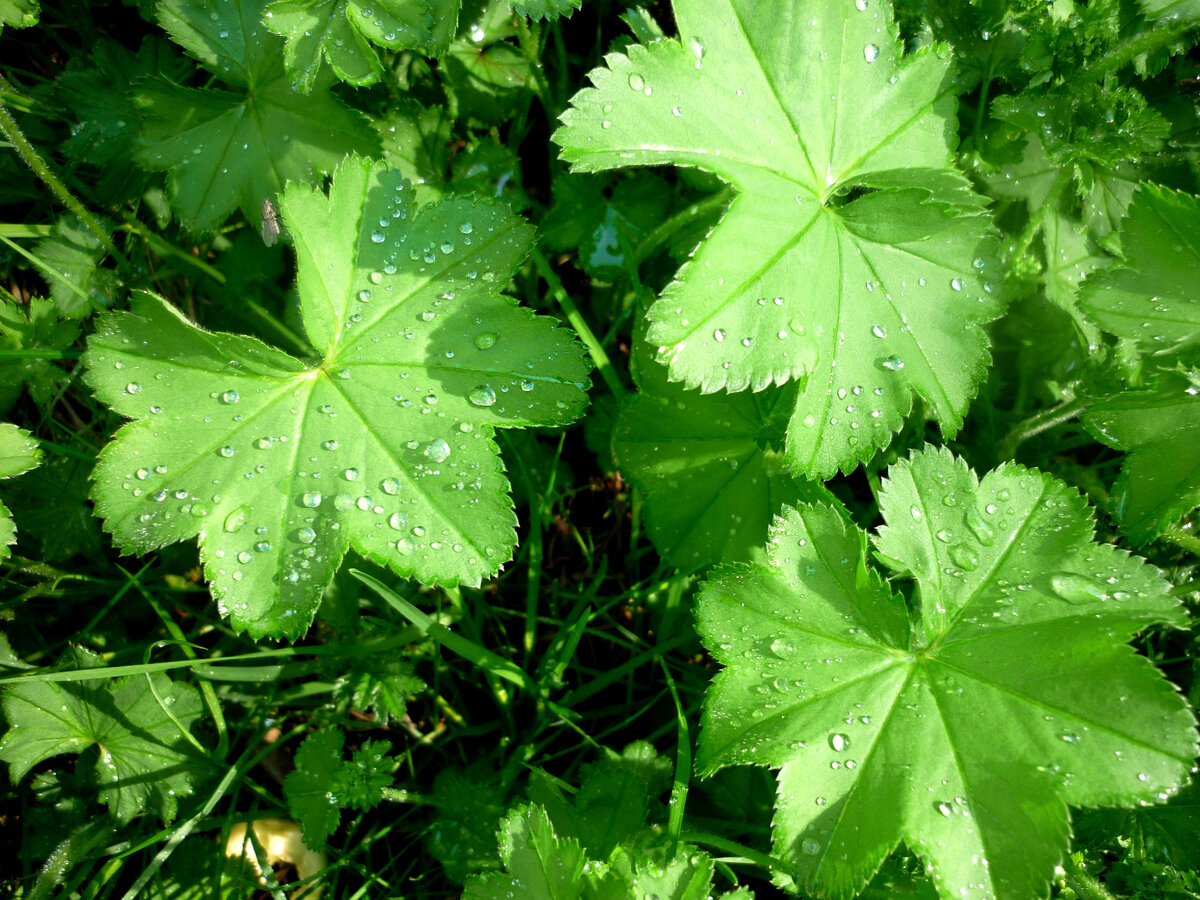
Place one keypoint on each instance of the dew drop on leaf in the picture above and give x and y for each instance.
(311, 499)
(839, 742)
(306, 535)
(236, 520)
(870, 53)
(481, 396)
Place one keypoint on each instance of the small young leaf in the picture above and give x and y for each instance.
(544, 9)
(854, 257)
(73, 252)
(379, 684)
(324, 784)
(231, 149)
(1160, 430)
(967, 734)
(144, 763)
(1151, 298)
(32, 327)
(384, 443)
(19, 13)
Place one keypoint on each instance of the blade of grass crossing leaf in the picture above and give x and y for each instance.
(485, 659)
(48, 269)
(683, 764)
(575, 317)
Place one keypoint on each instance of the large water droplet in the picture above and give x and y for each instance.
(893, 364)
(230, 397)
(870, 53)
(486, 340)
(390, 486)
(783, 648)
(306, 535)
(236, 520)
(1077, 588)
(839, 742)
(810, 847)
(482, 396)
(311, 499)
(437, 450)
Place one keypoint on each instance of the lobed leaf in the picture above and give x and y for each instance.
(144, 762)
(1151, 297)
(383, 443)
(854, 256)
(19, 452)
(230, 149)
(1159, 429)
(964, 727)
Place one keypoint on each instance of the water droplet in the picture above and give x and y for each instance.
(398, 521)
(1077, 588)
(486, 340)
(482, 396)
(870, 53)
(839, 742)
(956, 284)
(306, 535)
(893, 364)
(437, 450)
(330, 445)
(390, 486)
(263, 547)
(719, 335)
(377, 237)
(466, 228)
(527, 385)
(945, 809)
(783, 648)
(133, 388)
(964, 557)
(226, 451)
(230, 397)
(351, 474)
(311, 499)
(809, 847)
(447, 246)
(879, 331)
(236, 520)
(636, 81)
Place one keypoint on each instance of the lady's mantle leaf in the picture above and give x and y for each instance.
(545, 9)
(855, 254)
(1152, 297)
(384, 444)
(230, 149)
(966, 733)
(18, 454)
(324, 784)
(144, 763)
(1160, 429)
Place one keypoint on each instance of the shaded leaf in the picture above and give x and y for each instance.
(144, 764)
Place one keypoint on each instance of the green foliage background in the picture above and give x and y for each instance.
(590, 449)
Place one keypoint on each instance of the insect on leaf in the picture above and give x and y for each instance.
(383, 442)
(855, 257)
(966, 731)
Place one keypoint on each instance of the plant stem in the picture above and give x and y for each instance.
(1037, 423)
(12, 131)
(595, 350)
(1183, 540)
(49, 270)
(697, 210)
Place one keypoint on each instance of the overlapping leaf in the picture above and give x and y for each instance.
(324, 783)
(145, 763)
(711, 466)
(966, 731)
(347, 32)
(226, 149)
(855, 256)
(28, 328)
(1152, 298)
(1160, 430)
(383, 443)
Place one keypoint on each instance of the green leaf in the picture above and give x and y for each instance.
(544, 9)
(1070, 257)
(966, 733)
(380, 685)
(462, 836)
(309, 789)
(324, 784)
(229, 149)
(854, 256)
(343, 32)
(144, 762)
(1160, 430)
(711, 465)
(51, 503)
(1172, 10)
(72, 252)
(19, 452)
(1151, 297)
(19, 13)
(383, 443)
(539, 864)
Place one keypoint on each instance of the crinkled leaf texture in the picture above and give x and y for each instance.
(1159, 428)
(545, 9)
(855, 257)
(19, 453)
(384, 443)
(966, 732)
(229, 149)
(144, 765)
(1152, 298)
